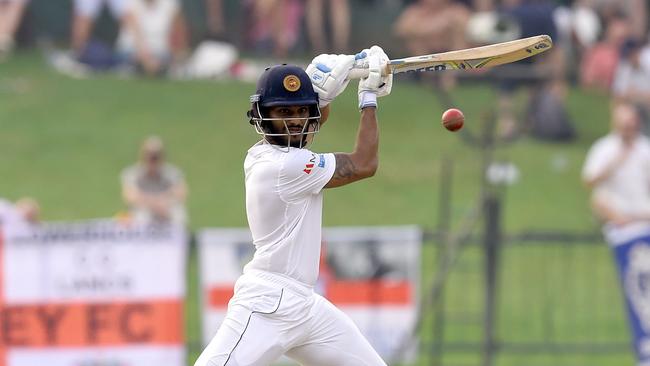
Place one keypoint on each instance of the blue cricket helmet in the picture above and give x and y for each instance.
(284, 85)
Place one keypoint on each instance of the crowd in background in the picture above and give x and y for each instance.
(153, 34)
(599, 44)
(590, 35)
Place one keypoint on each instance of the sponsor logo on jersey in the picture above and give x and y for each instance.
(310, 165)
(321, 163)
(291, 83)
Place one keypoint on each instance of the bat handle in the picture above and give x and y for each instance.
(361, 71)
(358, 73)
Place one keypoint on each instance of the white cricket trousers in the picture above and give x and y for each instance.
(272, 315)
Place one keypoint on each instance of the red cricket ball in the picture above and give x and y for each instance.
(453, 119)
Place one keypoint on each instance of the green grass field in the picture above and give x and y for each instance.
(65, 141)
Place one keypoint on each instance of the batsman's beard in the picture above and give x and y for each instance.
(297, 136)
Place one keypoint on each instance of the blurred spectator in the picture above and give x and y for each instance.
(491, 27)
(632, 78)
(18, 217)
(432, 26)
(215, 21)
(154, 191)
(635, 10)
(339, 15)
(599, 62)
(275, 25)
(579, 28)
(547, 116)
(85, 13)
(617, 169)
(545, 73)
(483, 5)
(638, 14)
(534, 16)
(146, 36)
(578, 25)
(11, 12)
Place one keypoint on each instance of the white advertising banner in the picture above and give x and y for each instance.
(100, 293)
(371, 273)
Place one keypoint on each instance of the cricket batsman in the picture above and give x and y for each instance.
(274, 310)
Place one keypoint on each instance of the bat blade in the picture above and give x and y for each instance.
(474, 58)
(467, 59)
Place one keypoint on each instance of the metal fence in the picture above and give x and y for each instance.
(534, 298)
(528, 302)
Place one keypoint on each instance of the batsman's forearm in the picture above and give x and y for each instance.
(366, 149)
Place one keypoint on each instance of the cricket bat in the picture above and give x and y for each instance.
(467, 59)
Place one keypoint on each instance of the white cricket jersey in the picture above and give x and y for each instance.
(284, 207)
(627, 189)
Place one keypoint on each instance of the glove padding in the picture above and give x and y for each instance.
(329, 76)
(375, 85)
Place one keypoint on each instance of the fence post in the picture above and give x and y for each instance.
(491, 206)
(491, 246)
(443, 227)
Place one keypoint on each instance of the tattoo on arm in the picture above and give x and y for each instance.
(344, 167)
(345, 171)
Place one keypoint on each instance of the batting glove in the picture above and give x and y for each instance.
(329, 76)
(375, 85)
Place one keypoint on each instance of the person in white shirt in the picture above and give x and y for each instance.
(275, 310)
(154, 189)
(145, 38)
(617, 169)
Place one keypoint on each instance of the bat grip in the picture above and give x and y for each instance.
(361, 71)
(358, 73)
